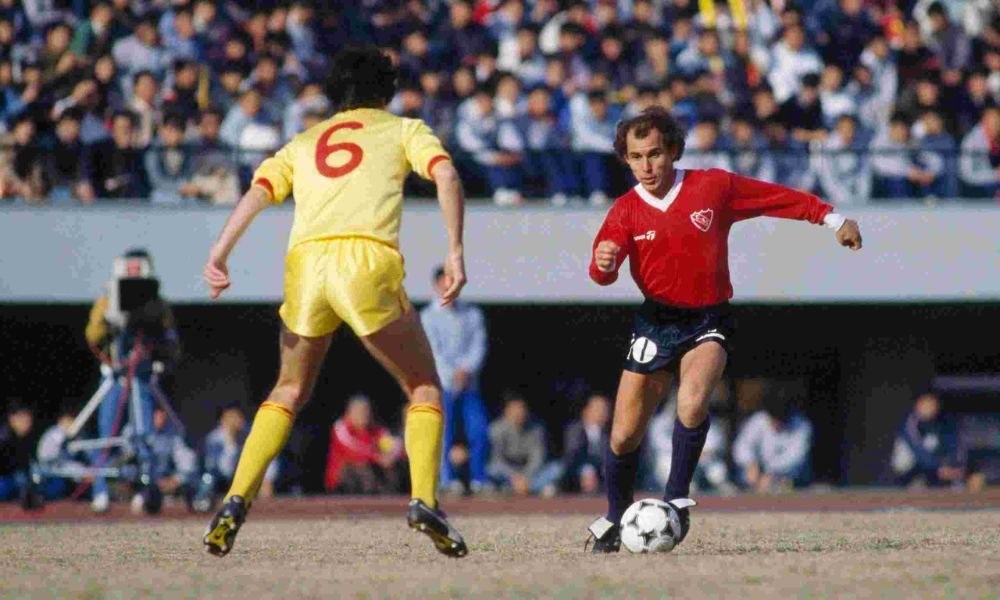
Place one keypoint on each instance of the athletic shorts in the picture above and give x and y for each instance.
(663, 334)
(344, 280)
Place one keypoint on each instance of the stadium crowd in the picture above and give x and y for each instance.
(176, 101)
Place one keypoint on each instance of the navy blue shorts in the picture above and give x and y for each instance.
(663, 334)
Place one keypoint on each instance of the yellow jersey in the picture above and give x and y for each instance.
(347, 174)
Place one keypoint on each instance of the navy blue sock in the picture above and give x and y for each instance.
(687, 445)
(619, 477)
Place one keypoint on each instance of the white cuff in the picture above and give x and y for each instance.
(834, 221)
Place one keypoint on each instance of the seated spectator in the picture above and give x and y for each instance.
(654, 66)
(546, 141)
(584, 447)
(251, 131)
(895, 173)
(182, 97)
(973, 100)
(790, 61)
(803, 113)
(226, 90)
(141, 51)
(927, 446)
(275, 91)
(704, 150)
(310, 99)
(181, 35)
(439, 109)
(707, 55)
(979, 162)
(65, 173)
(749, 152)
(175, 465)
(833, 98)
(145, 105)
(169, 163)
(21, 163)
(517, 451)
(94, 36)
(85, 97)
(109, 92)
(949, 43)
(116, 167)
(214, 179)
(937, 154)
(17, 447)
(51, 455)
(494, 144)
(362, 454)
(523, 57)
(592, 137)
(712, 473)
(772, 449)
(221, 451)
(842, 166)
(613, 61)
(791, 158)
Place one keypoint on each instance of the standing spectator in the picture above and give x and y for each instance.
(215, 179)
(842, 166)
(21, 163)
(583, 450)
(116, 166)
(495, 145)
(17, 447)
(221, 452)
(66, 164)
(145, 106)
(592, 133)
(790, 61)
(517, 450)
(169, 164)
(926, 445)
(772, 449)
(362, 454)
(457, 335)
(141, 51)
(979, 161)
(704, 149)
(896, 174)
(937, 154)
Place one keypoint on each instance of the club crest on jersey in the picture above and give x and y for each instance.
(702, 219)
(649, 235)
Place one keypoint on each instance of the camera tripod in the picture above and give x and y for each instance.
(135, 463)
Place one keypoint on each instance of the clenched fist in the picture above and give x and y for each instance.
(849, 235)
(606, 256)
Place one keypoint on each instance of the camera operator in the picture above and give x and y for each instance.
(131, 330)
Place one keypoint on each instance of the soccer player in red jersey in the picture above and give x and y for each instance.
(674, 227)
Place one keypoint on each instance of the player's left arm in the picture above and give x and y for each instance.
(749, 198)
(272, 183)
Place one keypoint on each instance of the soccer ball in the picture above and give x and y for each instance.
(650, 525)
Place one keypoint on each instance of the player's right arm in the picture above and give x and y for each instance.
(272, 183)
(610, 248)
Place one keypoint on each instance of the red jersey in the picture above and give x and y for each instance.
(678, 245)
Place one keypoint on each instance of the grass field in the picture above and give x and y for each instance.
(886, 555)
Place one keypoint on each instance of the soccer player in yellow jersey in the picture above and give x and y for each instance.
(344, 266)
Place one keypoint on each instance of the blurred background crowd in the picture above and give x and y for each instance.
(176, 101)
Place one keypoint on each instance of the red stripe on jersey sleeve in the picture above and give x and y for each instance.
(264, 183)
(433, 162)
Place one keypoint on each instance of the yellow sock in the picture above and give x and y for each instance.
(268, 435)
(424, 433)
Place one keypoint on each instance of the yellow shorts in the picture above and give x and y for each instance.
(345, 280)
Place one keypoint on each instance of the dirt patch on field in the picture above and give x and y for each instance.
(889, 555)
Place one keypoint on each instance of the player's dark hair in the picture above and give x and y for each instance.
(654, 117)
(361, 77)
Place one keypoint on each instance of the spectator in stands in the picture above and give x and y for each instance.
(94, 36)
(772, 449)
(116, 167)
(310, 99)
(85, 98)
(592, 135)
(363, 455)
(461, 38)
(141, 51)
(509, 103)
(495, 145)
(51, 454)
(927, 446)
(182, 96)
(274, 89)
(438, 110)
(842, 166)
(55, 59)
(712, 473)
(896, 175)
(833, 98)
(17, 447)
(109, 91)
(517, 450)
(613, 62)
(415, 57)
(181, 36)
(749, 151)
(174, 463)
(803, 113)
(790, 61)
(654, 67)
(215, 179)
(547, 141)
(144, 104)
(872, 112)
(845, 31)
(221, 451)
(457, 335)
(937, 154)
(251, 131)
(973, 100)
(66, 166)
(979, 164)
(583, 450)
(913, 59)
(792, 163)
(706, 55)
(877, 57)
(704, 149)
(169, 163)
(21, 163)
(949, 44)
(526, 60)
(229, 83)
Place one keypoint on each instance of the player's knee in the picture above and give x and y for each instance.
(693, 411)
(290, 394)
(624, 442)
(426, 392)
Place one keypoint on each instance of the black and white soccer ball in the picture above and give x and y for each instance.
(650, 525)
